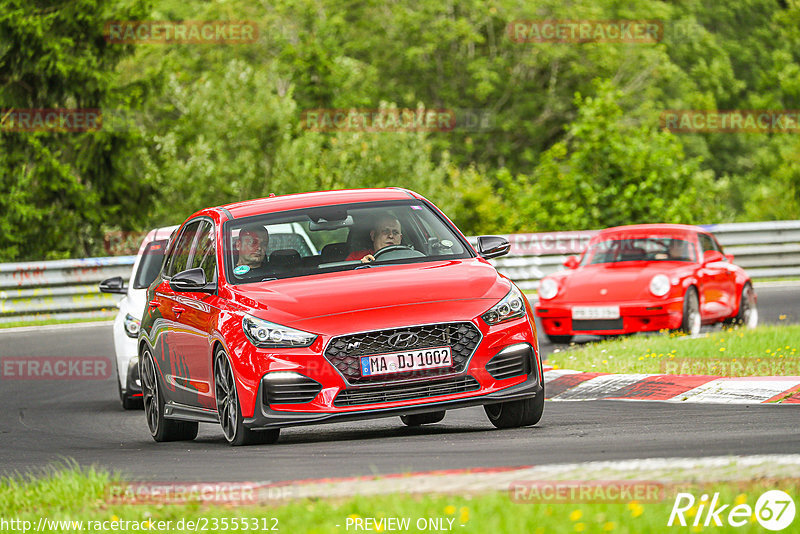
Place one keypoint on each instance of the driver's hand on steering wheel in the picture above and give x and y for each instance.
(368, 258)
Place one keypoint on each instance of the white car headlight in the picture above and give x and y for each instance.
(132, 325)
(548, 289)
(265, 334)
(659, 285)
(511, 306)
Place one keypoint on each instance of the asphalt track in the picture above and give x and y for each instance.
(47, 422)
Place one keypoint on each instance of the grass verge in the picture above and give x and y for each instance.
(763, 351)
(46, 322)
(79, 498)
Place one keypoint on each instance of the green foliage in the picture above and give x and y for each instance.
(187, 126)
(58, 187)
(610, 171)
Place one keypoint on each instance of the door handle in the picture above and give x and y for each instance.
(154, 304)
(177, 310)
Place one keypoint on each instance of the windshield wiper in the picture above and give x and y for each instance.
(267, 279)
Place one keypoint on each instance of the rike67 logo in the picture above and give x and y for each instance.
(774, 510)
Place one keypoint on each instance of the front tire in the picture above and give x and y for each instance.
(748, 311)
(125, 399)
(230, 411)
(559, 340)
(422, 418)
(514, 414)
(691, 321)
(161, 429)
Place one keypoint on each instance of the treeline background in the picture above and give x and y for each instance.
(575, 142)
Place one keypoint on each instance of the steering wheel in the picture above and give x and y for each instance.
(400, 251)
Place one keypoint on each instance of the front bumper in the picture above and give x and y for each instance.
(667, 314)
(266, 417)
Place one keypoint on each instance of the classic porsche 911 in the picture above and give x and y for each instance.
(373, 305)
(645, 278)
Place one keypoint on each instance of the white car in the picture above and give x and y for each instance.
(126, 324)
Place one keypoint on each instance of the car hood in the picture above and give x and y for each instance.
(614, 282)
(135, 304)
(402, 294)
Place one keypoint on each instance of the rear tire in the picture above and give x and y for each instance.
(161, 429)
(559, 340)
(514, 414)
(422, 418)
(691, 321)
(748, 312)
(230, 411)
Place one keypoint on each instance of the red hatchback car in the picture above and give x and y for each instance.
(332, 306)
(643, 278)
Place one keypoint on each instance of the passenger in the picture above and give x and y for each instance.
(386, 232)
(252, 249)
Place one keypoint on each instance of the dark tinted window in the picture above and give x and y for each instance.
(179, 257)
(150, 264)
(205, 255)
(707, 243)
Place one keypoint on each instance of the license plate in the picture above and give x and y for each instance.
(595, 312)
(402, 362)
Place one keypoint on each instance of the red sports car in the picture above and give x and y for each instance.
(642, 278)
(332, 306)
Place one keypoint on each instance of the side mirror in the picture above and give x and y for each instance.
(192, 280)
(711, 256)
(730, 257)
(492, 246)
(571, 262)
(113, 285)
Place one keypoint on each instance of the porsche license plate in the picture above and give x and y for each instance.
(595, 312)
(409, 360)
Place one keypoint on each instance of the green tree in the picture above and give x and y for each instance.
(610, 171)
(59, 187)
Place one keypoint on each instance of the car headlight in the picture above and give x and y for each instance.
(510, 307)
(264, 334)
(548, 288)
(132, 325)
(659, 285)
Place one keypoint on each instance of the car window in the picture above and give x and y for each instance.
(150, 264)
(205, 255)
(323, 239)
(656, 248)
(707, 243)
(179, 256)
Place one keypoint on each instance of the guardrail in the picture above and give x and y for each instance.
(67, 289)
(61, 289)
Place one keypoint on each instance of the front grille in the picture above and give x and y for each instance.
(402, 392)
(596, 324)
(299, 390)
(510, 363)
(344, 352)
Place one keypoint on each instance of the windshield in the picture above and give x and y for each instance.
(639, 249)
(150, 264)
(341, 237)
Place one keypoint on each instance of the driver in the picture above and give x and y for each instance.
(386, 232)
(678, 250)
